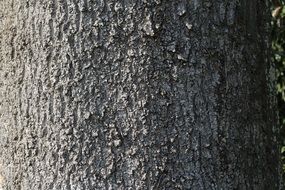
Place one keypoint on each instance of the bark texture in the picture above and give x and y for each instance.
(137, 94)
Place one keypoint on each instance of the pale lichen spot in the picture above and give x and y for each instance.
(143, 177)
(181, 57)
(181, 9)
(117, 143)
(173, 150)
(188, 25)
(95, 133)
(144, 131)
(130, 52)
(174, 75)
(87, 115)
(157, 26)
(147, 27)
(118, 6)
(132, 151)
(157, 2)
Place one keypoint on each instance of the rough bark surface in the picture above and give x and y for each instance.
(136, 94)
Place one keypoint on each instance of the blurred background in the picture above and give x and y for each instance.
(278, 57)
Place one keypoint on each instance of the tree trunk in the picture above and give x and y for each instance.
(136, 94)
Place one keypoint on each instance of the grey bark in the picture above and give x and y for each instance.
(136, 94)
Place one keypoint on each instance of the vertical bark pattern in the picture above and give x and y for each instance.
(136, 94)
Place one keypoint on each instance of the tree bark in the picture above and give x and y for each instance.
(136, 94)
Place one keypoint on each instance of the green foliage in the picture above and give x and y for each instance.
(278, 57)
